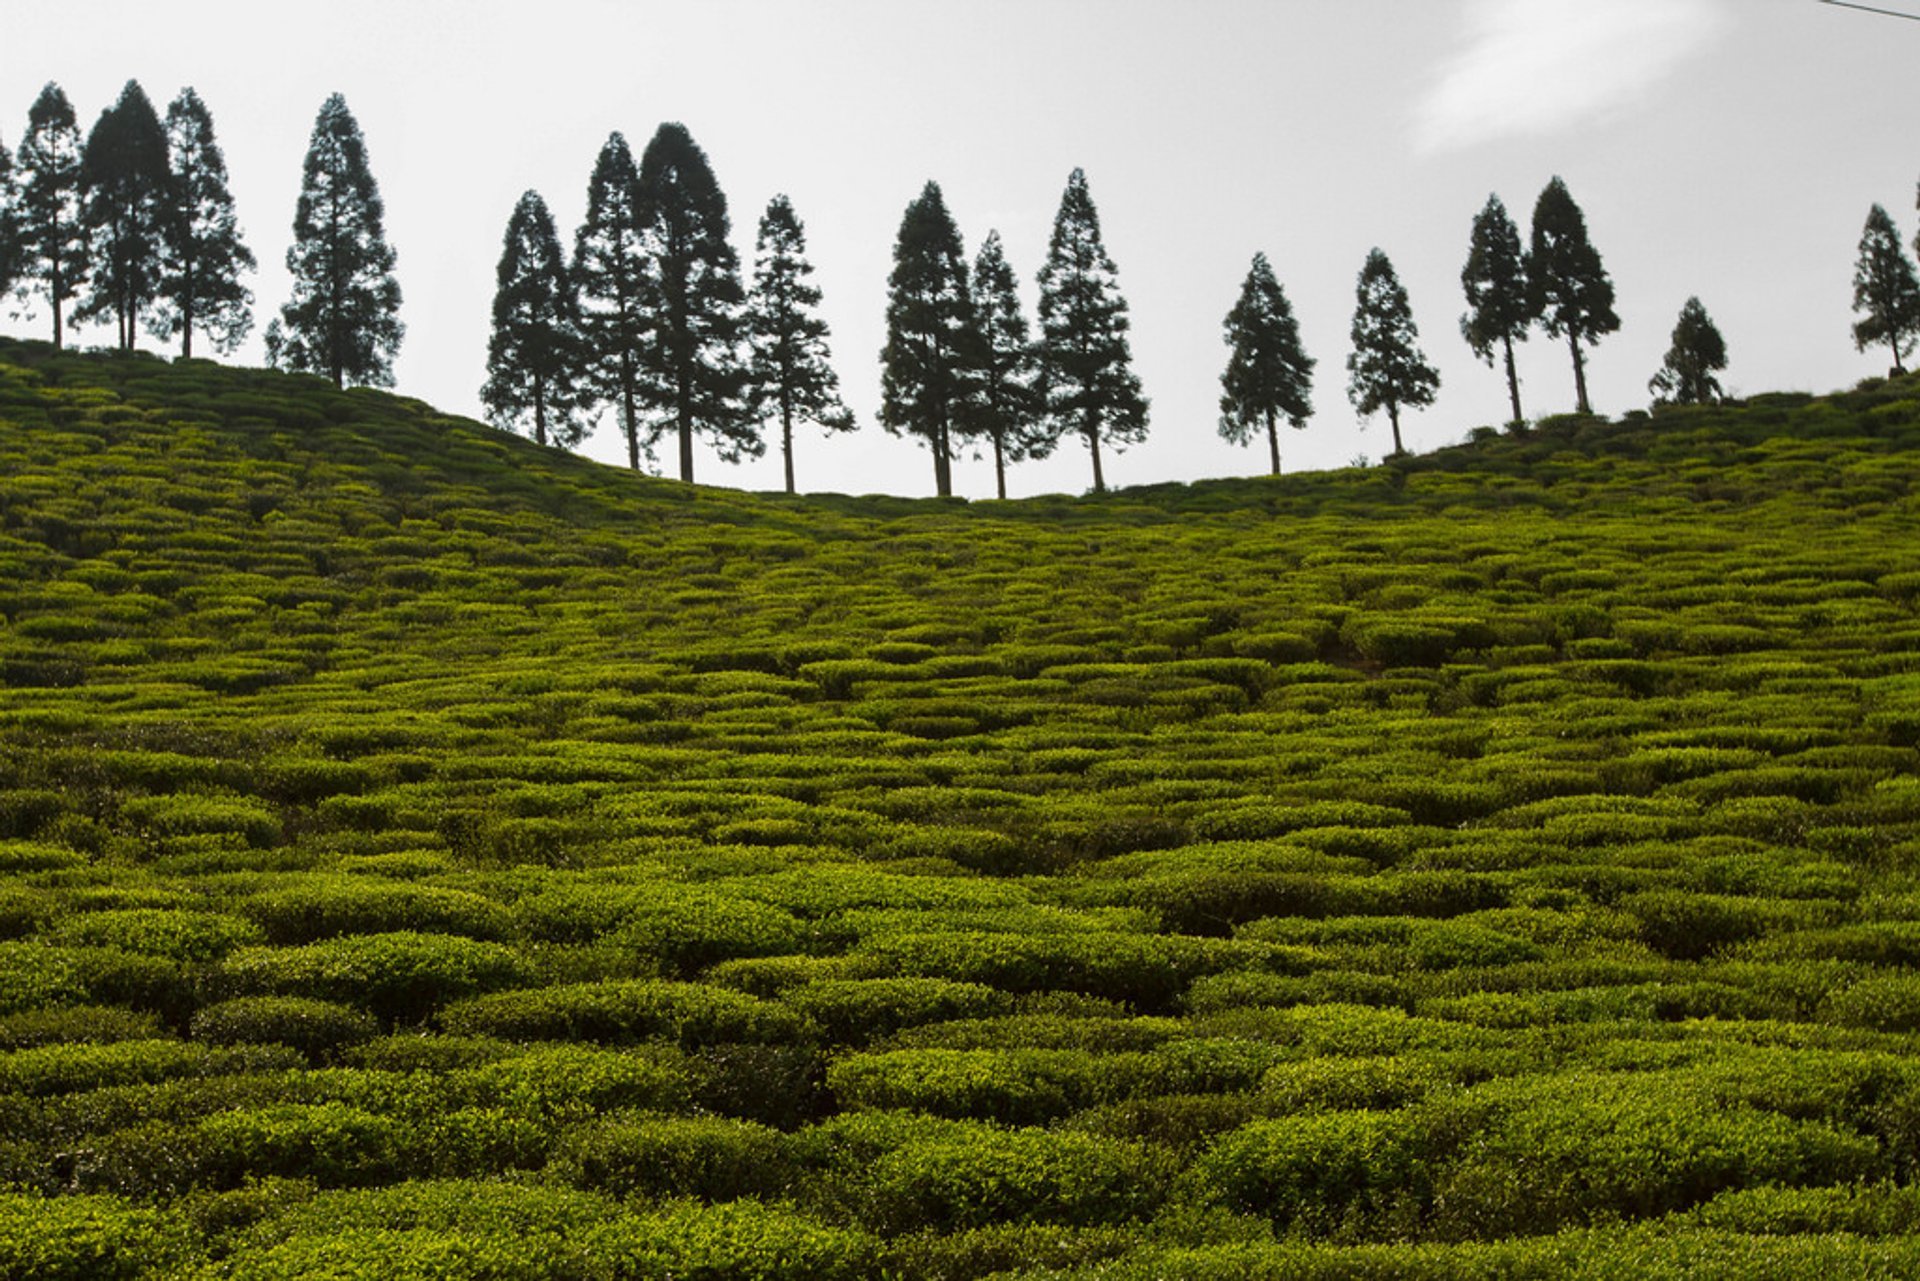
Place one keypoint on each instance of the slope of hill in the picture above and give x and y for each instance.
(426, 854)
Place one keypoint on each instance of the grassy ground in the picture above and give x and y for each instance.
(422, 854)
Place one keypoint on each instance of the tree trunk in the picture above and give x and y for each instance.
(942, 465)
(1893, 341)
(686, 447)
(540, 411)
(1273, 441)
(1513, 383)
(786, 441)
(999, 467)
(1092, 433)
(59, 335)
(629, 413)
(1579, 373)
(1393, 416)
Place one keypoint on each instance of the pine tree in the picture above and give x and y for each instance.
(535, 348)
(343, 319)
(930, 367)
(1885, 288)
(1387, 369)
(1086, 369)
(1568, 284)
(692, 299)
(12, 253)
(609, 270)
(53, 237)
(791, 377)
(1500, 306)
(206, 257)
(1269, 376)
(1698, 352)
(127, 202)
(1010, 414)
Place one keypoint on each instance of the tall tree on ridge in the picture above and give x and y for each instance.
(1568, 284)
(930, 367)
(1269, 376)
(1885, 288)
(534, 351)
(1086, 368)
(12, 253)
(127, 201)
(1698, 352)
(201, 288)
(53, 236)
(1387, 369)
(692, 299)
(1011, 413)
(791, 375)
(609, 267)
(1500, 306)
(343, 319)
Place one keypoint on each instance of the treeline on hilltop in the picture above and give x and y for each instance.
(650, 320)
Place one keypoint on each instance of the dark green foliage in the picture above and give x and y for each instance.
(1011, 410)
(1501, 308)
(343, 320)
(1086, 364)
(609, 270)
(401, 977)
(53, 235)
(1386, 369)
(789, 377)
(931, 365)
(711, 1158)
(535, 351)
(318, 1029)
(89, 1238)
(1697, 354)
(1568, 285)
(205, 254)
(691, 303)
(12, 246)
(1886, 289)
(130, 208)
(1268, 376)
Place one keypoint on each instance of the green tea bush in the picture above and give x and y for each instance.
(734, 1241)
(1013, 1086)
(163, 932)
(620, 1012)
(328, 906)
(56, 1025)
(572, 1082)
(400, 977)
(855, 1011)
(173, 815)
(320, 1030)
(1886, 1003)
(709, 1158)
(1144, 969)
(90, 1238)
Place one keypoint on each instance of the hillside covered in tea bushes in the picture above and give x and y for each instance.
(425, 854)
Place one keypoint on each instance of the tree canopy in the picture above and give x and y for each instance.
(608, 270)
(790, 377)
(1086, 363)
(1885, 290)
(1269, 376)
(206, 257)
(534, 349)
(53, 236)
(1386, 369)
(1501, 309)
(930, 366)
(1011, 414)
(1697, 354)
(1569, 285)
(344, 317)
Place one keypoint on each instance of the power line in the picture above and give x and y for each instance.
(1867, 8)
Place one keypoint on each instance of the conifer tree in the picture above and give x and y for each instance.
(930, 367)
(127, 203)
(1086, 371)
(692, 299)
(53, 237)
(11, 252)
(535, 348)
(1886, 290)
(1569, 286)
(206, 256)
(1500, 306)
(1011, 414)
(343, 319)
(1269, 376)
(790, 377)
(609, 269)
(1697, 354)
(1387, 369)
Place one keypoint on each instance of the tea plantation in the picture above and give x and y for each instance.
(426, 855)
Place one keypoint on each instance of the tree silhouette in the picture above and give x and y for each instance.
(1569, 285)
(930, 367)
(343, 319)
(1886, 290)
(692, 298)
(201, 287)
(1269, 376)
(1011, 413)
(1386, 369)
(12, 253)
(53, 237)
(1697, 354)
(1086, 369)
(791, 376)
(535, 348)
(127, 203)
(609, 269)
(1500, 307)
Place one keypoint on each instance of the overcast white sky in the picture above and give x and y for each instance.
(1725, 148)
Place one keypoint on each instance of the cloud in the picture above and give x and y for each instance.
(1530, 67)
